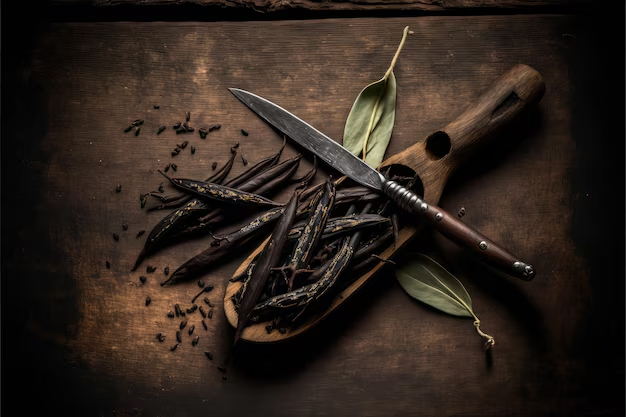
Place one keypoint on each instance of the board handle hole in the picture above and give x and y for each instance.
(438, 145)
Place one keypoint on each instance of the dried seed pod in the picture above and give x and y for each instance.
(204, 325)
(170, 314)
(160, 337)
(161, 129)
(177, 125)
(184, 144)
(108, 264)
(191, 329)
(148, 301)
(142, 279)
(140, 233)
(195, 340)
(178, 199)
(137, 131)
(166, 271)
(193, 149)
(116, 237)
(187, 116)
(213, 254)
(183, 324)
(201, 284)
(268, 258)
(216, 127)
(124, 226)
(118, 188)
(202, 312)
(210, 314)
(222, 193)
(173, 348)
(243, 132)
(150, 269)
(209, 355)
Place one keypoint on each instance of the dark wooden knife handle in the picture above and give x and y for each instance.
(458, 232)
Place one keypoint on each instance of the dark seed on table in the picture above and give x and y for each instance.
(148, 301)
(129, 128)
(161, 190)
(167, 167)
(243, 132)
(202, 312)
(143, 203)
(214, 165)
(174, 153)
(170, 314)
(181, 130)
(193, 149)
(177, 309)
(184, 144)
(244, 160)
(189, 129)
(195, 341)
(124, 226)
(177, 125)
(174, 167)
(208, 288)
(210, 315)
(178, 336)
(182, 313)
(118, 188)
(137, 131)
(161, 129)
(187, 115)
(209, 303)
(461, 212)
(116, 237)
(141, 232)
(282, 330)
(138, 122)
(160, 337)
(156, 106)
(191, 329)
(268, 328)
(204, 324)
(166, 271)
(194, 307)
(142, 279)
(150, 269)
(221, 369)
(108, 264)
(216, 127)
(209, 355)
(189, 311)
(200, 283)
(183, 324)
(173, 348)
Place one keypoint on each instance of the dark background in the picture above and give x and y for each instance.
(35, 374)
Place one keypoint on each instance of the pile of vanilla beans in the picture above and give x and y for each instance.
(324, 238)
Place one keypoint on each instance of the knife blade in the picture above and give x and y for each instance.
(338, 157)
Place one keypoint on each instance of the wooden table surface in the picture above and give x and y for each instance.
(78, 338)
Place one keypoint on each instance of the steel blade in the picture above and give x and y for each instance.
(312, 139)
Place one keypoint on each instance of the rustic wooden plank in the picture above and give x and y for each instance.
(269, 6)
(383, 354)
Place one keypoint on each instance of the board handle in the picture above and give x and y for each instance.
(458, 232)
(514, 91)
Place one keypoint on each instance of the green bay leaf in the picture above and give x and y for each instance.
(371, 119)
(427, 281)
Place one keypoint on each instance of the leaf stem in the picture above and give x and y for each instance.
(395, 57)
(489, 340)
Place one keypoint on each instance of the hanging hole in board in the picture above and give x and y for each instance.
(438, 145)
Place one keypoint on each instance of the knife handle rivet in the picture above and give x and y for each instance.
(516, 265)
(424, 207)
(482, 245)
(439, 216)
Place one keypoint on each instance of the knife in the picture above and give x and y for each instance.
(345, 162)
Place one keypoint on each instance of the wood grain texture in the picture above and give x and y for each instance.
(515, 91)
(268, 6)
(86, 329)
